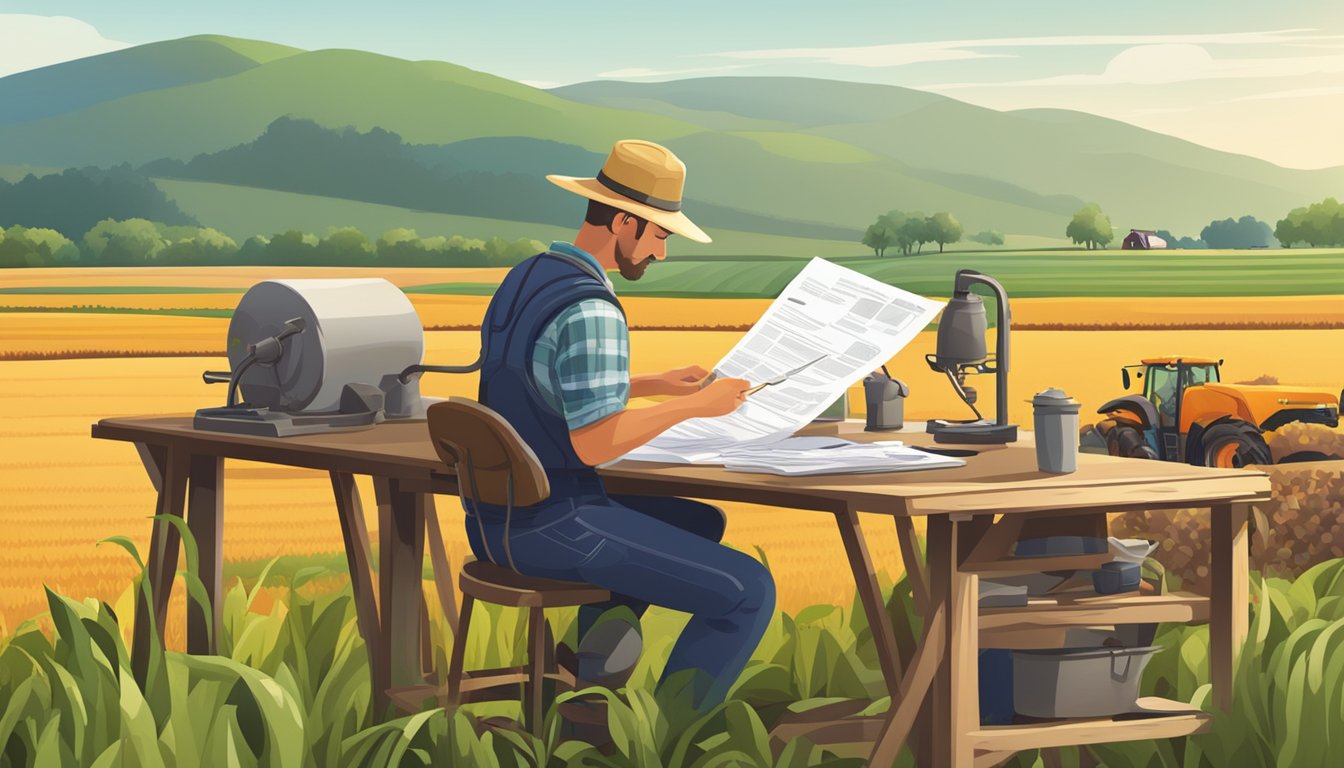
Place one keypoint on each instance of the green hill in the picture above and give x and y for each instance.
(825, 156)
(242, 212)
(1143, 179)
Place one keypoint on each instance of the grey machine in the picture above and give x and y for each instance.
(320, 355)
(961, 351)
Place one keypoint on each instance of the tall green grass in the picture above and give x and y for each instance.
(291, 688)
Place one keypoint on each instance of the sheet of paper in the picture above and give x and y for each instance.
(841, 457)
(856, 321)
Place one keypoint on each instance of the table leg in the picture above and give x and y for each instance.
(963, 653)
(356, 535)
(205, 518)
(401, 552)
(956, 692)
(914, 689)
(1229, 601)
(870, 595)
(162, 564)
(443, 566)
(914, 565)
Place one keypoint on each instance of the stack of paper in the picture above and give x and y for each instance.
(855, 322)
(824, 456)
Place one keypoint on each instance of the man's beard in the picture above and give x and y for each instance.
(629, 267)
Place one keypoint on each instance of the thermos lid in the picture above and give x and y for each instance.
(1054, 398)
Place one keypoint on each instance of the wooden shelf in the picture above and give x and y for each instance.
(1183, 720)
(1015, 565)
(1090, 609)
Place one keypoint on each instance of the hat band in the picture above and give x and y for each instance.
(671, 206)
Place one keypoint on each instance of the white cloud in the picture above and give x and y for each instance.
(901, 54)
(28, 42)
(1174, 63)
(640, 73)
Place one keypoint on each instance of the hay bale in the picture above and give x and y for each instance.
(1302, 525)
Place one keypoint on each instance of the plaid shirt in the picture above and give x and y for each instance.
(581, 363)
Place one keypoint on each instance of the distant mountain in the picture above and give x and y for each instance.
(1136, 175)
(773, 155)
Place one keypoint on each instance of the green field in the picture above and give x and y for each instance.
(1026, 274)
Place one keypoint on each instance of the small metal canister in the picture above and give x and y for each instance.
(1056, 425)
(885, 401)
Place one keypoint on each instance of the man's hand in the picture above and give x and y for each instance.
(722, 396)
(679, 381)
(622, 432)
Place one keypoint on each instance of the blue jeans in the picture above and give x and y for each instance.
(649, 550)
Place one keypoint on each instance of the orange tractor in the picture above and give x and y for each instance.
(1187, 414)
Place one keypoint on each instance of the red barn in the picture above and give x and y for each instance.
(1142, 240)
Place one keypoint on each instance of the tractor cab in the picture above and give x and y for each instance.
(1165, 381)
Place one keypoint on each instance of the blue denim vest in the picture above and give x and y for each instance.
(528, 299)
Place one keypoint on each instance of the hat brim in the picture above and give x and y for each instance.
(673, 221)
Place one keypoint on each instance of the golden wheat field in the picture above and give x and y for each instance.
(61, 491)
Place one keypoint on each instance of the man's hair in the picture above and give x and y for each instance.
(601, 215)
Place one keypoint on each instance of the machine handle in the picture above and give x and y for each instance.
(216, 377)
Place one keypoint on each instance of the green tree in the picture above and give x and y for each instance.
(988, 237)
(1089, 225)
(1319, 224)
(202, 246)
(132, 242)
(879, 238)
(35, 247)
(944, 228)
(291, 247)
(1246, 232)
(345, 245)
(916, 231)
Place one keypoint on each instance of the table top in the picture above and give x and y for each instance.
(998, 479)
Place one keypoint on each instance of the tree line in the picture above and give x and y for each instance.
(140, 242)
(911, 231)
(1320, 224)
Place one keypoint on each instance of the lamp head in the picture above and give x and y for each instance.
(961, 332)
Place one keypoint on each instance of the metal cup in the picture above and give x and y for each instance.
(1056, 425)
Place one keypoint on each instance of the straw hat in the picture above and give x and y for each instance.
(641, 178)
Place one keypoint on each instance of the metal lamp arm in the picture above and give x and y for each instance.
(1003, 314)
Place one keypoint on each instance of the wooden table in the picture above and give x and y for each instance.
(973, 514)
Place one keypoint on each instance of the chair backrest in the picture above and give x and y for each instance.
(487, 453)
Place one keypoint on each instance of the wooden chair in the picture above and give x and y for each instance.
(495, 466)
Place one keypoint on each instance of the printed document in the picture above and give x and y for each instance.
(857, 322)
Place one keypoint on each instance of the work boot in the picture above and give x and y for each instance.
(606, 658)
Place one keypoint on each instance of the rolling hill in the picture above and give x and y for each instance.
(823, 155)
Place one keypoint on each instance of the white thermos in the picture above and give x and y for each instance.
(1056, 425)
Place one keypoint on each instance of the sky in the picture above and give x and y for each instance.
(1256, 78)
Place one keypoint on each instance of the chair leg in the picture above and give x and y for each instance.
(459, 652)
(536, 673)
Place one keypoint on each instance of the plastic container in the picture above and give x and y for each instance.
(1056, 426)
(1078, 682)
(1115, 577)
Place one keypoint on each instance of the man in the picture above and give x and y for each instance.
(556, 366)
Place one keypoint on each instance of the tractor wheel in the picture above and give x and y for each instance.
(1126, 441)
(1234, 444)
